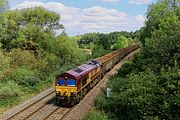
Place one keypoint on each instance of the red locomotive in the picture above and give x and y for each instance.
(72, 86)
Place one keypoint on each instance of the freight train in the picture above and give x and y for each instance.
(73, 85)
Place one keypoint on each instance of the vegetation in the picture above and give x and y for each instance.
(148, 87)
(31, 54)
(96, 115)
(101, 44)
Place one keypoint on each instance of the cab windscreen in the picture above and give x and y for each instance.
(71, 82)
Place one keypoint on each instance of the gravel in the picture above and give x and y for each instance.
(24, 105)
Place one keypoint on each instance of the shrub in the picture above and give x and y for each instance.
(125, 70)
(4, 64)
(145, 95)
(131, 97)
(95, 115)
(67, 51)
(23, 76)
(98, 51)
(9, 89)
(27, 58)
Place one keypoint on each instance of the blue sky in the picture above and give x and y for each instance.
(121, 5)
(83, 16)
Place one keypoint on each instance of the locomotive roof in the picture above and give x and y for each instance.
(83, 69)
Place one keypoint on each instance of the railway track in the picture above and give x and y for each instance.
(33, 107)
(44, 108)
(58, 114)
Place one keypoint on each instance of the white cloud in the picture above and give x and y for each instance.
(101, 11)
(140, 18)
(93, 19)
(27, 4)
(139, 2)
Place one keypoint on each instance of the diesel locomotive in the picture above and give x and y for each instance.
(73, 85)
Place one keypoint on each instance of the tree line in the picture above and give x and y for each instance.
(102, 43)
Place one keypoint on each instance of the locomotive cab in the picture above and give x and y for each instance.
(73, 85)
(65, 87)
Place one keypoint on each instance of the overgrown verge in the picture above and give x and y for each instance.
(23, 75)
(142, 96)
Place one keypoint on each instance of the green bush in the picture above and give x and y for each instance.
(146, 96)
(98, 51)
(27, 58)
(95, 115)
(126, 69)
(23, 76)
(122, 42)
(9, 89)
(4, 64)
(132, 97)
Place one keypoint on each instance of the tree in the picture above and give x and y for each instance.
(3, 7)
(122, 42)
(89, 38)
(28, 28)
(163, 45)
(156, 14)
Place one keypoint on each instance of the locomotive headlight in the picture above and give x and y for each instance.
(58, 93)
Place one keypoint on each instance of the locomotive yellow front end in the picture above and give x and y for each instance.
(66, 90)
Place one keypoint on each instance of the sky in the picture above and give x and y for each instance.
(84, 16)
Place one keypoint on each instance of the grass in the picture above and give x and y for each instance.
(6, 104)
(95, 115)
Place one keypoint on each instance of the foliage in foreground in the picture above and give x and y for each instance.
(9, 90)
(143, 96)
(148, 88)
(95, 115)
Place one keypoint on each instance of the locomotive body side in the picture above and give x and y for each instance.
(84, 76)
